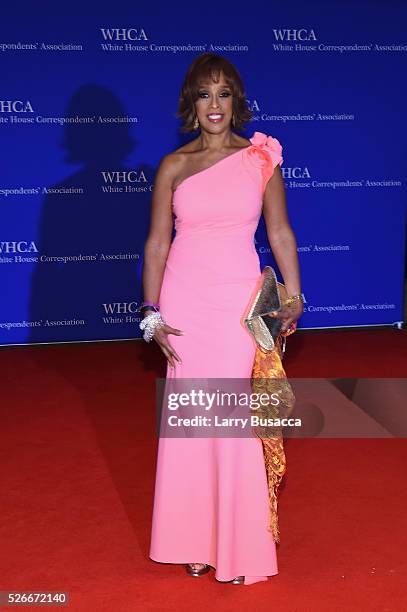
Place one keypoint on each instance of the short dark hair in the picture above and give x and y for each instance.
(205, 67)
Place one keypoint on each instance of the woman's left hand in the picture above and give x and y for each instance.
(289, 315)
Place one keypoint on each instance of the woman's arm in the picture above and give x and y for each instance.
(159, 238)
(283, 243)
(156, 249)
(280, 235)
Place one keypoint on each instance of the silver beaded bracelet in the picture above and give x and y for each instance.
(150, 324)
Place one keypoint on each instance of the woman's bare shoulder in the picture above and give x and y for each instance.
(175, 159)
(179, 155)
(173, 163)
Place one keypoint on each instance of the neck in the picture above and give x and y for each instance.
(216, 142)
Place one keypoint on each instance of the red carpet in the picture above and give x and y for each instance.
(78, 462)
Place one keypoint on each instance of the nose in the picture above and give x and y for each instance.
(215, 103)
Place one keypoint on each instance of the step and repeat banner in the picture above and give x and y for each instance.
(88, 102)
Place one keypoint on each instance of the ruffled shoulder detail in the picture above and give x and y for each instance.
(264, 153)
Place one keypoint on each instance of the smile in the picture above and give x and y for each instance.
(215, 117)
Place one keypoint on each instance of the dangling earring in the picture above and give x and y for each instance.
(196, 123)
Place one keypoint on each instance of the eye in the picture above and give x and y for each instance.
(226, 94)
(203, 94)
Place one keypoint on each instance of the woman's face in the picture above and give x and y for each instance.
(214, 106)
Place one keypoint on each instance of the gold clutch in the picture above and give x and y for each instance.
(268, 295)
(268, 376)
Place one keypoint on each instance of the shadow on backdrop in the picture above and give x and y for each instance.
(90, 224)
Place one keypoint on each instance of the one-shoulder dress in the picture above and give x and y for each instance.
(211, 500)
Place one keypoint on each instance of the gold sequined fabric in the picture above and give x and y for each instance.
(268, 376)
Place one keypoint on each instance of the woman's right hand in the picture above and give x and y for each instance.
(161, 337)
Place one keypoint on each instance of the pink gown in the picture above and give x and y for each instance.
(211, 495)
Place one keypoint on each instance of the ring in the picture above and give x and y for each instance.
(291, 329)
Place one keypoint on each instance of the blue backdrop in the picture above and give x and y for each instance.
(87, 109)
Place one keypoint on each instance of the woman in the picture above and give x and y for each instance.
(211, 497)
